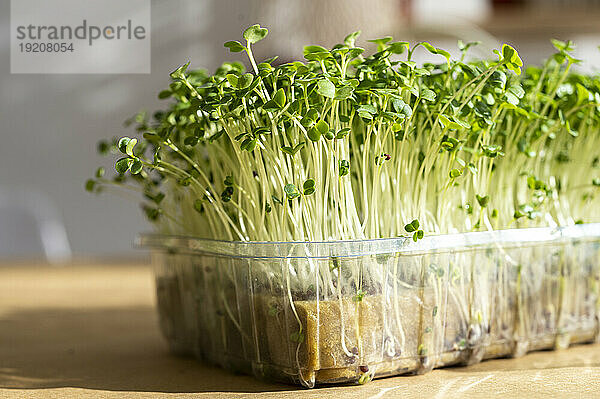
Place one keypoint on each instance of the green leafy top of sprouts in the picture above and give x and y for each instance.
(346, 146)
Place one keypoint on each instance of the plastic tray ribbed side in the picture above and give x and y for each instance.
(330, 312)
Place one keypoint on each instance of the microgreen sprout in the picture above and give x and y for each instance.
(413, 227)
(297, 337)
(359, 296)
(344, 145)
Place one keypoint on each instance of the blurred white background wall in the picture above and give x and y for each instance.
(49, 124)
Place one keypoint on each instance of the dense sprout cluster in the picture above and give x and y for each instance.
(349, 146)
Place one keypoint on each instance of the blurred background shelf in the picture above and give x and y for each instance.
(515, 21)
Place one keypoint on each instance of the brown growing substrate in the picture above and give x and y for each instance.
(325, 352)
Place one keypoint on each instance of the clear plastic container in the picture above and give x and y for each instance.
(335, 312)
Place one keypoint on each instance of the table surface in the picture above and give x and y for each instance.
(90, 331)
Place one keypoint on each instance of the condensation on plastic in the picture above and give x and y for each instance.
(334, 312)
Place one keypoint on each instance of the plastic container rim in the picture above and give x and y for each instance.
(378, 246)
